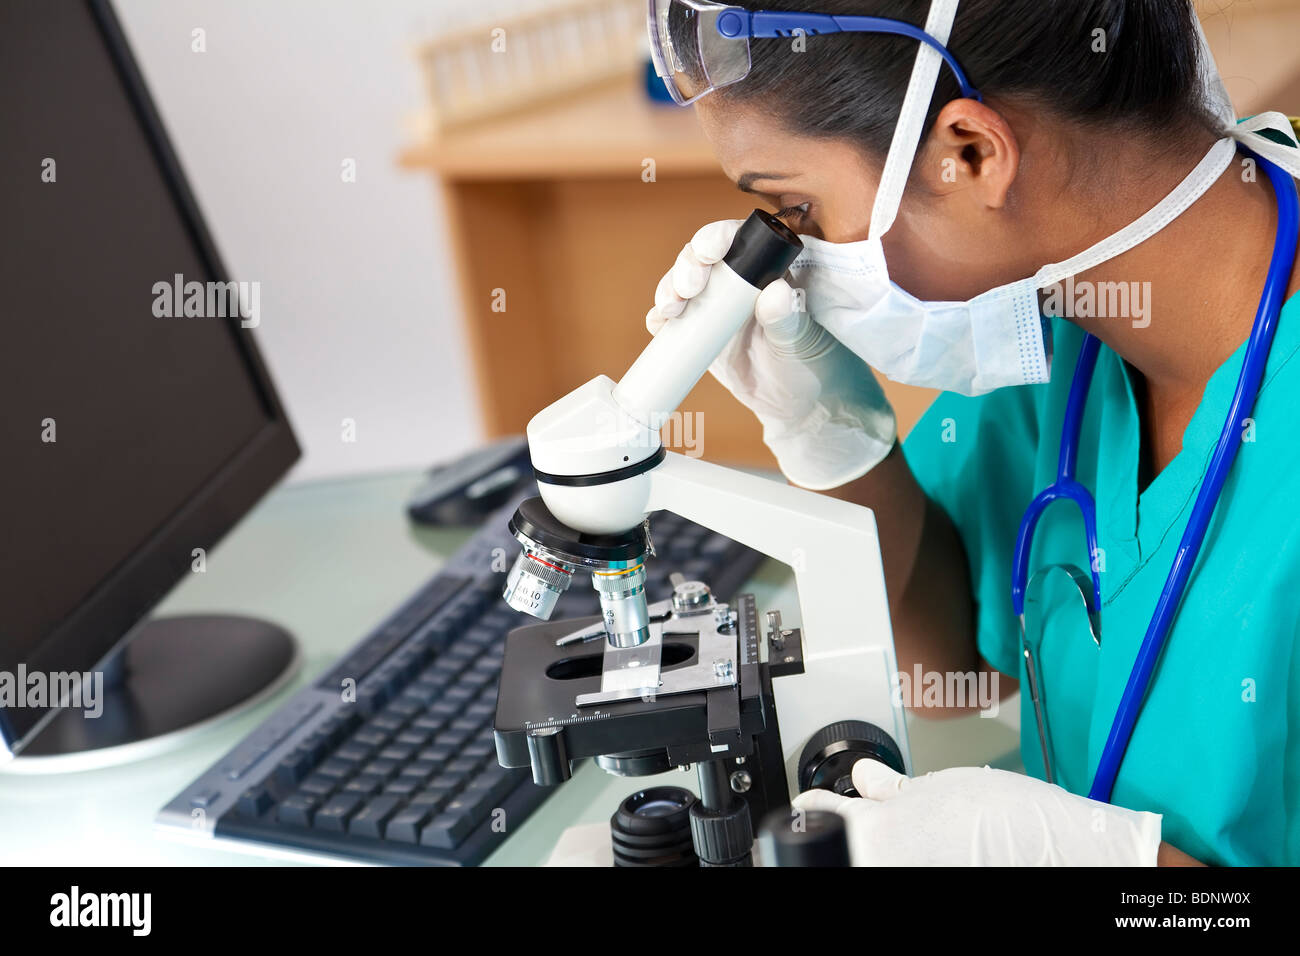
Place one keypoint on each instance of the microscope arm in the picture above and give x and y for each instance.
(833, 548)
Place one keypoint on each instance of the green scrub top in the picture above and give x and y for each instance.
(1216, 748)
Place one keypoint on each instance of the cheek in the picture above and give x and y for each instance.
(846, 215)
(934, 258)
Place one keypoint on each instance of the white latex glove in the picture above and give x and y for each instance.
(977, 816)
(823, 414)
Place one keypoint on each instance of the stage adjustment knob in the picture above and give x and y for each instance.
(548, 756)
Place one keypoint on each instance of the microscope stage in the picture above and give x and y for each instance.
(541, 682)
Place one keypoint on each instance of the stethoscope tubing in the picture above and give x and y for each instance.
(1067, 487)
(1258, 348)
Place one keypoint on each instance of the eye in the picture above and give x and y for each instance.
(794, 215)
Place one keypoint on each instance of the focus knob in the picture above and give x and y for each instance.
(828, 758)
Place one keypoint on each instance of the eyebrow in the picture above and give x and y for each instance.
(746, 182)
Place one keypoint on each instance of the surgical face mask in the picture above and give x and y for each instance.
(970, 347)
(998, 338)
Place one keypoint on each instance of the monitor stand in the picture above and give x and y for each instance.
(175, 677)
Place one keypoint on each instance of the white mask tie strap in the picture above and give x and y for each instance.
(1197, 183)
(911, 119)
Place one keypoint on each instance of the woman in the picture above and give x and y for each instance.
(1089, 114)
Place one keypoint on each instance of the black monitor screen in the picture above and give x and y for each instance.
(124, 384)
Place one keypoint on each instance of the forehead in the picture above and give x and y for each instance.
(748, 139)
(745, 138)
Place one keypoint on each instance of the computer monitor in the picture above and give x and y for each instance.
(137, 420)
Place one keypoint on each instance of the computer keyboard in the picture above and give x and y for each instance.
(406, 772)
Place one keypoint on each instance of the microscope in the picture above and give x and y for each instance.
(690, 681)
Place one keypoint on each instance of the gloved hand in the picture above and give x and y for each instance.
(978, 816)
(823, 414)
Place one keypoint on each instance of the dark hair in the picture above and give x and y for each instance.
(1040, 53)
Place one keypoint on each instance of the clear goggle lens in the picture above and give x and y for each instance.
(689, 53)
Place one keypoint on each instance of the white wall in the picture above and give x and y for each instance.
(360, 315)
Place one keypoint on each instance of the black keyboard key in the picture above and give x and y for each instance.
(401, 787)
(405, 706)
(337, 767)
(449, 668)
(497, 781)
(445, 781)
(429, 724)
(371, 699)
(462, 650)
(255, 801)
(435, 797)
(454, 739)
(436, 754)
(297, 810)
(365, 785)
(461, 766)
(432, 683)
(389, 721)
(369, 820)
(335, 728)
(477, 802)
(475, 678)
(334, 815)
(478, 750)
(458, 693)
(389, 677)
(437, 636)
(354, 752)
(486, 590)
(457, 618)
(320, 784)
(420, 770)
(413, 737)
(697, 569)
(716, 546)
(444, 709)
(677, 550)
(293, 768)
(371, 736)
(315, 746)
(449, 828)
(479, 636)
(497, 624)
(381, 767)
(406, 824)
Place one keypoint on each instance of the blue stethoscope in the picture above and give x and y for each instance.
(1067, 487)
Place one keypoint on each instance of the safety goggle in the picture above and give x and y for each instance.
(699, 46)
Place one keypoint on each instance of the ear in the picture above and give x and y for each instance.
(971, 149)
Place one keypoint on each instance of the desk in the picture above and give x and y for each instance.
(328, 560)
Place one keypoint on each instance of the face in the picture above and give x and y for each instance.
(820, 188)
(825, 188)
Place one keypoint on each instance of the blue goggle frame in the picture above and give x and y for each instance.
(737, 23)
